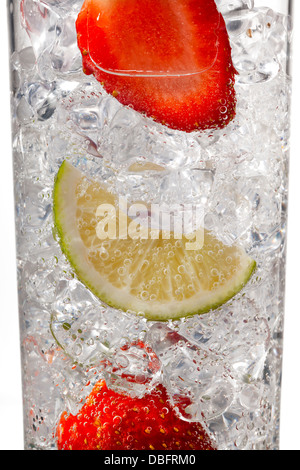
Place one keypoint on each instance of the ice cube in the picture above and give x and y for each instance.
(135, 369)
(65, 54)
(256, 55)
(24, 111)
(24, 60)
(63, 7)
(40, 23)
(191, 372)
(41, 391)
(227, 7)
(42, 99)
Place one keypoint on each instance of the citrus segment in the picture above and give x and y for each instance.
(155, 277)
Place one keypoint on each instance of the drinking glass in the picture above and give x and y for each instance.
(151, 156)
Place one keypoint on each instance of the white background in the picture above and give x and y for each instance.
(11, 428)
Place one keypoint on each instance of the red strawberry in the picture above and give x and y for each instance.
(111, 421)
(183, 37)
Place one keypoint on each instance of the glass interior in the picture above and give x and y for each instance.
(229, 359)
(282, 6)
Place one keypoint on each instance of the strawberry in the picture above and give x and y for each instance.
(122, 41)
(111, 421)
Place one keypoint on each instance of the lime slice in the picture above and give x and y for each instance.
(158, 278)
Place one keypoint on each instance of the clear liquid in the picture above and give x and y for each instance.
(240, 176)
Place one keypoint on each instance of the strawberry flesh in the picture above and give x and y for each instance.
(111, 421)
(168, 59)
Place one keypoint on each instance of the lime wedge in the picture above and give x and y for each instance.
(158, 278)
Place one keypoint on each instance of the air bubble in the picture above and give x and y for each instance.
(181, 269)
(104, 255)
(117, 420)
(122, 271)
(214, 272)
(199, 258)
(144, 295)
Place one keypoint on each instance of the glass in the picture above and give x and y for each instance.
(151, 177)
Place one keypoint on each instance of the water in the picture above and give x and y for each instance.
(227, 361)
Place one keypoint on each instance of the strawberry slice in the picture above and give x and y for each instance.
(168, 59)
(111, 421)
